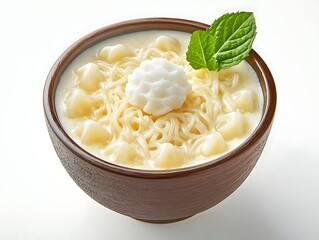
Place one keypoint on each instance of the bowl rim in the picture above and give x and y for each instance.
(142, 24)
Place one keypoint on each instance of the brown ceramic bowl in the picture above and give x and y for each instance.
(156, 196)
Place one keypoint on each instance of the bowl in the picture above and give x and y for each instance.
(157, 196)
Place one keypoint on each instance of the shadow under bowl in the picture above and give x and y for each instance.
(161, 196)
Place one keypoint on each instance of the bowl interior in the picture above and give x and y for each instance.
(264, 75)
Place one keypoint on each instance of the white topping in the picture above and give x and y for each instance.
(158, 86)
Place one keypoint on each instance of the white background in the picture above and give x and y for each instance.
(38, 200)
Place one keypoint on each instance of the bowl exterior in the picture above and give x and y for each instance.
(159, 200)
(158, 196)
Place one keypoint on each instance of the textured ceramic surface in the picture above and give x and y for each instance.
(156, 196)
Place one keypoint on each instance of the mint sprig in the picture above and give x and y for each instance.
(225, 44)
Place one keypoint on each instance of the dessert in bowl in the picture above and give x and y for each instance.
(152, 159)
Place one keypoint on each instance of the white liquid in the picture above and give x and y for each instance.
(124, 150)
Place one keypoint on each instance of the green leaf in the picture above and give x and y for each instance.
(233, 35)
(201, 50)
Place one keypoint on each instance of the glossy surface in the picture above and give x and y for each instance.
(156, 196)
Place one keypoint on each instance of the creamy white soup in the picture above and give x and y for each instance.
(134, 100)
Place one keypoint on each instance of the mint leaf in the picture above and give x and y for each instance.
(201, 50)
(233, 35)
